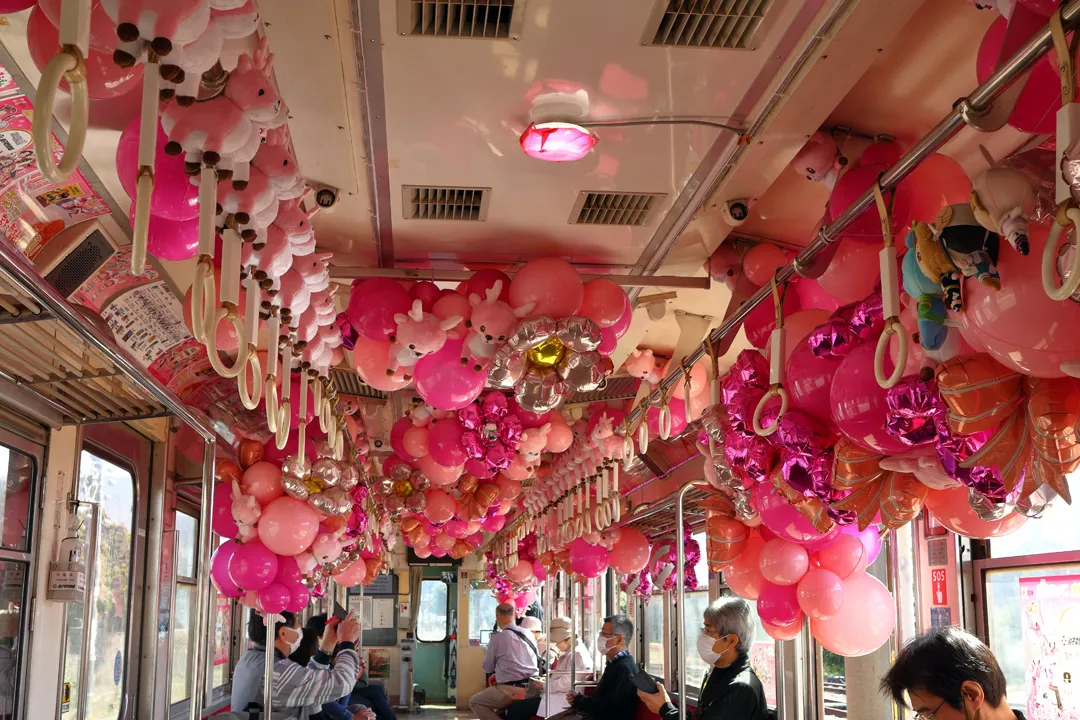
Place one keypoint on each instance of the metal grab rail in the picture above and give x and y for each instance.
(680, 621)
(965, 109)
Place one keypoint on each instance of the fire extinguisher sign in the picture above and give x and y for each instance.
(938, 587)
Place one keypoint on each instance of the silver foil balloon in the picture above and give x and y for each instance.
(532, 331)
(416, 502)
(324, 450)
(582, 371)
(1035, 504)
(350, 476)
(400, 471)
(321, 502)
(294, 486)
(580, 334)
(507, 367)
(328, 470)
(987, 509)
(293, 466)
(713, 420)
(539, 393)
(341, 499)
(1063, 263)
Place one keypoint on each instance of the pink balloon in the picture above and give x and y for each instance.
(539, 571)
(866, 228)
(521, 573)
(951, 508)
(936, 182)
(509, 489)
(219, 570)
(450, 304)
(630, 553)
(440, 506)
(783, 562)
(416, 441)
(372, 306)
(778, 604)
(426, 292)
(275, 598)
(529, 419)
(439, 474)
(859, 403)
(174, 197)
(484, 279)
(272, 454)
(1040, 99)
(586, 559)
(881, 152)
(813, 297)
(479, 469)
(299, 596)
(170, 239)
(743, 575)
(456, 528)
(518, 469)
(762, 261)
(820, 593)
(221, 521)
(609, 340)
(853, 272)
(371, 359)
(868, 600)
(351, 575)
(552, 284)
(390, 462)
(798, 326)
(397, 437)
(761, 321)
(808, 380)
(916, 355)
(444, 383)
(104, 78)
(477, 539)
(253, 566)
(787, 523)
(444, 442)
(784, 632)
(423, 552)
(493, 523)
(1020, 326)
(288, 526)
(288, 573)
(263, 482)
(623, 323)
(678, 417)
(559, 438)
(844, 556)
(603, 302)
(870, 538)
(444, 541)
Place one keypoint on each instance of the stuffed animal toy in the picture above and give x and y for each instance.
(418, 334)
(490, 325)
(930, 309)
(957, 247)
(246, 512)
(315, 269)
(296, 224)
(1003, 199)
(532, 443)
(278, 163)
(644, 365)
(306, 562)
(819, 158)
(327, 547)
(158, 25)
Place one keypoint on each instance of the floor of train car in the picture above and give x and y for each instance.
(438, 712)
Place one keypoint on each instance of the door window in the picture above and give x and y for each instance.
(18, 471)
(482, 605)
(187, 538)
(431, 624)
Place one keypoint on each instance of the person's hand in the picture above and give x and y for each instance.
(329, 639)
(491, 681)
(570, 697)
(536, 683)
(654, 701)
(349, 629)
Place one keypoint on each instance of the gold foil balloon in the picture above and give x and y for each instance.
(403, 487)
(467, 484)
(547, 354)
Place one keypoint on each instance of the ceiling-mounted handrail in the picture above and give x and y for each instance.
(23, 274)
(972, 106)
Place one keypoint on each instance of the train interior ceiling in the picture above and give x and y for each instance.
(415, 307)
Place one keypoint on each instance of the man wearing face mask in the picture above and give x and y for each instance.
(949, 674)
(615, 693)
(731, 690)
(298, 690)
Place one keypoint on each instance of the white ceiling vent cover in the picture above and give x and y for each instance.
(727, 24)
(486, 19)
(604, 208)
(444, 203)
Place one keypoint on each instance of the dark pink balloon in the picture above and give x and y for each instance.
(426, 292)
(623, 323)
(219, 569)
(221, 521)
(288, 572)
(484, 279)
(444, 383)
(397, 436)
(444, 442)
(253, 566)
(609, 340)
(808, 380)
(858, 404)
(299, 596)
(373, 304)
(528, 419)
(275, 598)
(174, 197)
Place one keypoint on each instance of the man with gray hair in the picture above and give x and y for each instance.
(615, 693)
(511, 660)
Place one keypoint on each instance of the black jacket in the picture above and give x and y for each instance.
(731, 693)
(615, 697)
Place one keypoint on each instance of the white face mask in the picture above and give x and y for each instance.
(605, 644)
(295, 643)
(705, 649)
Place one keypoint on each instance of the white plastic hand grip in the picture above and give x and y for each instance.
(663, 421)
(773, 391)
(68, 64)
(250, 399)
(776, 384)
(1067, 214)
(892, 327)
(203, 297)
(148, 120)
(226, 312)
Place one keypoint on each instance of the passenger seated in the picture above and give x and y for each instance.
(949, 674)
(363, 693)
(298, 690)
(512, 661)
(731, 689)
(558, 678)
(615, 694)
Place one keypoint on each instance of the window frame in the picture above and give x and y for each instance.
(446, 611)
(187, 581)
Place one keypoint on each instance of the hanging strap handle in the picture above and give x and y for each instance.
(776, 370)
(68, 64)
(663, 418)
(148, 126)
(890, 297)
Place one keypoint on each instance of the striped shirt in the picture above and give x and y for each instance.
(299, 691)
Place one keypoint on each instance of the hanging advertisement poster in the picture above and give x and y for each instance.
(763, 660)
(1050, 608)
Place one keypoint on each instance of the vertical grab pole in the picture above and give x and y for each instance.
(573, 632)
(202, 591)
(88, 608)
(548, 603)
(680, 620)
(268, 670)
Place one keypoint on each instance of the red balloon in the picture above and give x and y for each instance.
(936, 182)
(104, 78)
(603, 302)
(1036, 109)
(630, 553)
(866, 228)
(483, 280)
(952, 509)
(372, 306)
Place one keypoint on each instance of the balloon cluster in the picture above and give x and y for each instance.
(326, 484)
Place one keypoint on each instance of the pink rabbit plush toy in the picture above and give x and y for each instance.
(820, 158)
(245, 512)
(490, 325)
(418, 334)
(327, 547)
(160, 25)
(642, 364)
(533, 441)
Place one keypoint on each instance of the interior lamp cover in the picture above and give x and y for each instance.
(557, 141)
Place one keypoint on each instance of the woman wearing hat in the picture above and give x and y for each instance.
(560, 641)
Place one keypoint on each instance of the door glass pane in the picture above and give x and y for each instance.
(183, 615)
(17, 470)
(1053, 531)
(694, 617)
(12, 595)
(113, 488)
(186, 540)
(654, 636)
(431, 625)
(482, 604)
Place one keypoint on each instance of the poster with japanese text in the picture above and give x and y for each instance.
(1050, 614)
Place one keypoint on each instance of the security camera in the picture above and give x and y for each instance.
(325, 196)
(736, 211)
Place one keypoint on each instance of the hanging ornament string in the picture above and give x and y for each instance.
(890, 297)
(776, 369)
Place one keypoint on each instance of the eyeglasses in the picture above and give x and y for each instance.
(711, 632)
(931, 714)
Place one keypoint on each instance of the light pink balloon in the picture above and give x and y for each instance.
(439, 474)
(518, 470)
(552, 284)
(521, 573)
(416, 441)
(288, 526)
(371, 359)
(444, 442)
(813, 297)
(450, 304)
(221, 521)
(783, 562)
(444, 541)
(603, 302)
(440, 506)
(845, 556)
(623, 323)
(821, 593)
(853, 272)
(444, 383)
(456, 528)
(784, 632)
(352, 574)
(559, 438)
(864, 622)
(762, 261)
(263, 482)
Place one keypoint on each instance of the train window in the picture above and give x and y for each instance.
(17, 469)
(1053, 531)
(222, 643)
(655, 637)
(12, 596)
(482, 606)
(693, 616)
(184, 608)
(431, 624)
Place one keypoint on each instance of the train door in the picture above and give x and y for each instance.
(438, 605)
(100, 662)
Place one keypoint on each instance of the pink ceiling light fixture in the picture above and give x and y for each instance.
(557, 141)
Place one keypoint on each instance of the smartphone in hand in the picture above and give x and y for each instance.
(644, 682)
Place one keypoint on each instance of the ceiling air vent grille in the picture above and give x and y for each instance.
(487, 19)
(728, 24)
(600, 208)
(444, 203)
